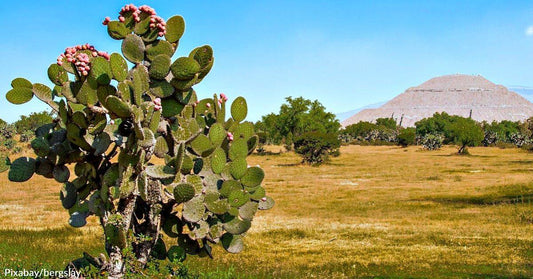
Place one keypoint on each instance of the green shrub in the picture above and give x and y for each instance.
(466, 132)
(407, 137)
(315, 147)
(432, 141)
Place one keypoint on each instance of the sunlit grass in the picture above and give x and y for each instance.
(373, 211)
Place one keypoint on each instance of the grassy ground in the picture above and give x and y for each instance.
(373, 211)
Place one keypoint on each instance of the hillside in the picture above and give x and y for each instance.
(455, 94)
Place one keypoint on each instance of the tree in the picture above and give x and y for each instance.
(315, 147)
(203, 192)
(295, 118)
(466, 132)
(33, 121)
(407, 136)
(389, 123)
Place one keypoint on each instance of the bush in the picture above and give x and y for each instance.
(432, 141)
(466, 132)
(27, 136)
(315, 147)
(407, 137)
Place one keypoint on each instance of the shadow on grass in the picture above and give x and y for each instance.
(508, 194)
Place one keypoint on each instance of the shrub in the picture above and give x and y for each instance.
(432, 141)
(466, 132)
(407, 137)
(27, 136)
(315, 147)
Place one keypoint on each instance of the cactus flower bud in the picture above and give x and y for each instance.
(230, 136)
(121, 19)
(208, 105)
(263, 199)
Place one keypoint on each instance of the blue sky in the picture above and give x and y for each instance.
(346, 54)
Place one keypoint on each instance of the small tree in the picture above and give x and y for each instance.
(315, 147)
(113, 120)
(407, 137)
(466, 132)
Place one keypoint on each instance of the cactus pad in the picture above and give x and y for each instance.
(193, 210)
(237, 226)
(57, 74)
(183, 192)
(232, 243)
(266, 203)
(238, 149)
(218, 160)
(19, 95)
(175, 28)
(159, 47)
(238, 198)
(184, 68)
(21, 82)
(161, 172)
(61, 173)
(239, 109)
(161, 88)
(253, 177)
(78, 219)
(21, 169)
(119, 67)
(159, 67)
(248, 210)
(133, 48)
(117, 30)
(118, 107)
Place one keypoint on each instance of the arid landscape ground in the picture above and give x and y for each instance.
(374, 211)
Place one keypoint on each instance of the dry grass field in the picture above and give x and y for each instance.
(380, 211)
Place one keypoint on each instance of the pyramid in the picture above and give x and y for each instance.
(463, 95)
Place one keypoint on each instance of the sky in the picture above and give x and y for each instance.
(345, 54)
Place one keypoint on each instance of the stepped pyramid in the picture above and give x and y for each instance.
(462, 95)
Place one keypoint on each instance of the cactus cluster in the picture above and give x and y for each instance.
(113, 120)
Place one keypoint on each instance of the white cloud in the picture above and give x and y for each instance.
(529, 30)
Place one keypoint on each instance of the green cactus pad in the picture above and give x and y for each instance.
(237, 226)
(87, 94)
(79, 118)
(187, 165)
(101, 143)
(218, 160)
(238, 149)
(187, 97)
(200, 230)
(111, 175)
(204, 56)
(57, 74)
(185, 68)
(218, 207)
(193, 210)
(133, 48)
(160, 250)
(143, 25)
(238, 168)
(217, 134)
(258, 193)
(61, 173)
(201, 144)
(149, 138)
(68, 195)
(238, 198)
(117, 30)
(21, 82)
(159, 47)
(19, 95)
(239, 109)
(244, 130)
(40, 146)
(104, 91)
(119, 67)
(21, 169)
(183, 85)
(190, 246)
(252, 144)
(171, 107)
(160, 67)
(248, 210)
(118, 107)
(253, 177)
(266, 203)
(232, 243)
(101, 70)
(175, 28)
(183, 192)
(196, 182)
(230, 186)
(161, 147)
(141, 83)
(172, 226)
(160, 172)
(115, 235)
(176, 254)
(161, 88)
(78, 219)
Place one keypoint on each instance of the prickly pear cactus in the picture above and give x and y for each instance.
(146, 152)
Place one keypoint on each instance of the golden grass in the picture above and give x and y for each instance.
(373, 211)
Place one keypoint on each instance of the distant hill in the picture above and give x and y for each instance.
(524, 91)
(345, 115)
(462, 95)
